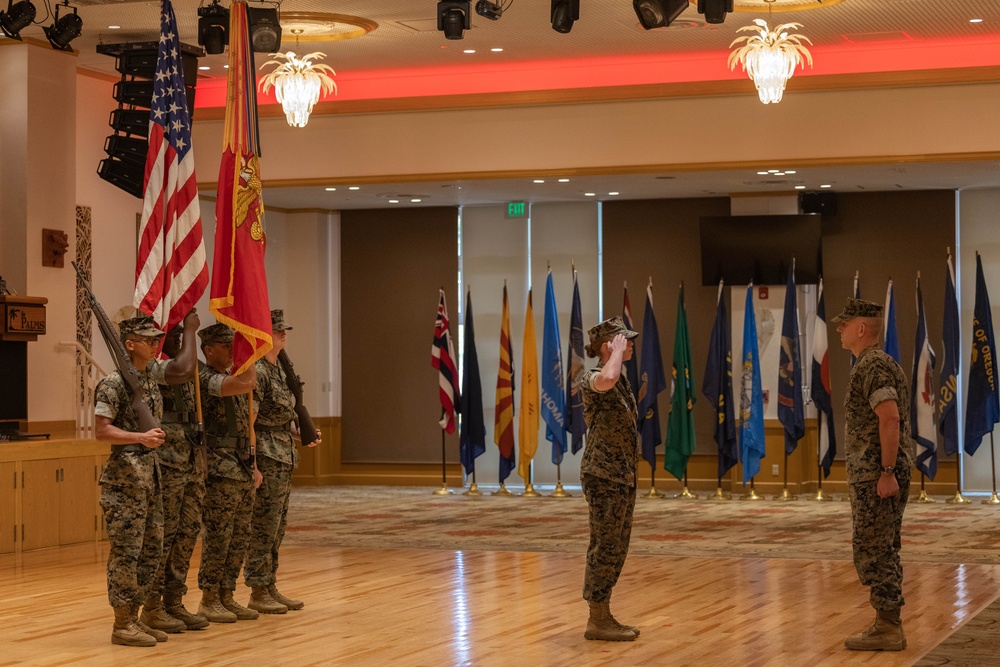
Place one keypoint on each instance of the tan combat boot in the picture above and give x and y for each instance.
(230, 603)
(156, 617)
(212, 609)
(288, 602)
(127, 633)
(158, 635)
(262, 601)
(885, 634)
(614, 620)
(600, 626)
(175, 607)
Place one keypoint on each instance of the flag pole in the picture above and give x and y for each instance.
(473, 490)
(993, 499)
(785, 495)
(653, 493)
(923, 497)
(958, 498)
(560, 492)
(752, 493)
(443, 491)
(529, 489)
(719, 495)
(685, 493)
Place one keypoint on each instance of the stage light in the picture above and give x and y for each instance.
(213, 28)
(64, 29)
(658, 13)
(564, 13)
(454, 17)
(17, 17)
(715, 10)
(489, 10)
(265, 30)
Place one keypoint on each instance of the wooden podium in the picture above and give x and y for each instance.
(23, 322)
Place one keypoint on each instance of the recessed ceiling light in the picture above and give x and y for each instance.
(354, 187)
(564, 180)
(393, 201)
(779, 173)
(415, 201)
(114, 27)
(800, 187)
(589, 194)
(225, 66)
(204, 67)
(763, 173)
(773, 171)
(496, 50)
(331, 189)
(469, 51)
(975, 20)
(538, 180)
(789, 171)
(612, 194)
(826, 186)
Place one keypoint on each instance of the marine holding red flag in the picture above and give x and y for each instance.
(171, 270)
(239, 285)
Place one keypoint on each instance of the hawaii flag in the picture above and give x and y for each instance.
(527, 426)
(922, 395)
(443, 359)
(239, 285)
(503, 415)
(171, 269)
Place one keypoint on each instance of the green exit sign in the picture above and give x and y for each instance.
(517, 209)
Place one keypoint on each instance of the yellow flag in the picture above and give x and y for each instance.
(527, 425)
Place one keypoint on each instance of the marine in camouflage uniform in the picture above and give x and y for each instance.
(276, 458)
(229, 488)
(878, 473)
(182, 480)
(608, 473)
(130, 488)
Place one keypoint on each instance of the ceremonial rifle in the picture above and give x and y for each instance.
(307, 431)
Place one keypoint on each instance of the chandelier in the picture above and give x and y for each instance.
(298, 83)
(769, 57)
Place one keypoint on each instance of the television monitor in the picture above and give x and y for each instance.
(738, 249)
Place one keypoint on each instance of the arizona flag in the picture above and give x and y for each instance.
(503, 415)
(239, 285)
(171, 269)
(527, 425)
(922, 395)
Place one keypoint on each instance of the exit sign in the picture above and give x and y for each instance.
(516, 209)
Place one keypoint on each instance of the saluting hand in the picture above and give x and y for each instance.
(618, 344)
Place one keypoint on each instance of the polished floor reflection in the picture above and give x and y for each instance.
(431, 607)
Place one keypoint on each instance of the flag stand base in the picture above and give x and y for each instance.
(719, 495)
(992, 500)
(560, 492)
(686, 494)
(653, 493)
(502, 491)
(923, 498)
(958, 499)
(529, 492)
(819, 496)
(751, 495)
(473, 491)
(785, 495)
(443, 491)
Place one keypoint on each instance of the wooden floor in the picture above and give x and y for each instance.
(411, 608)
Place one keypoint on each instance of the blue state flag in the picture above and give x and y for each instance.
(948, 386)
(982, 409)
(820, 388)
(553, 396)
(472, 439)
(890, 334)
(632, 365)
(718, 386)
(575, 369)
(791, 412)
(922, 395)
(751, 397)
(652, 381)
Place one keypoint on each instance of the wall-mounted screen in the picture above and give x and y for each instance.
(738, 249)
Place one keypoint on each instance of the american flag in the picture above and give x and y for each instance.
(443, 359)
(171, 271)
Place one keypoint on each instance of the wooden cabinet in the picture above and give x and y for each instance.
(77, 500)
(58, 502)
(8, 507)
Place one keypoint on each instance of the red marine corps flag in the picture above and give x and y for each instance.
(171, 270)
(239, 286)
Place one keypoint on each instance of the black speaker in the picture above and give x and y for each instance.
(824, 203)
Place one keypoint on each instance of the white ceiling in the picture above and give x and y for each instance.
(406, 39)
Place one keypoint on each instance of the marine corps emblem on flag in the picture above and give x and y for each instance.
(249, 205)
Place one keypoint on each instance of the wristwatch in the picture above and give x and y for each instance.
(888, 470)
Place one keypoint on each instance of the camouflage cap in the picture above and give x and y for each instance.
(278, 321)
(608, 329)
(859, 308)
(217, 333)
(139, 326)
